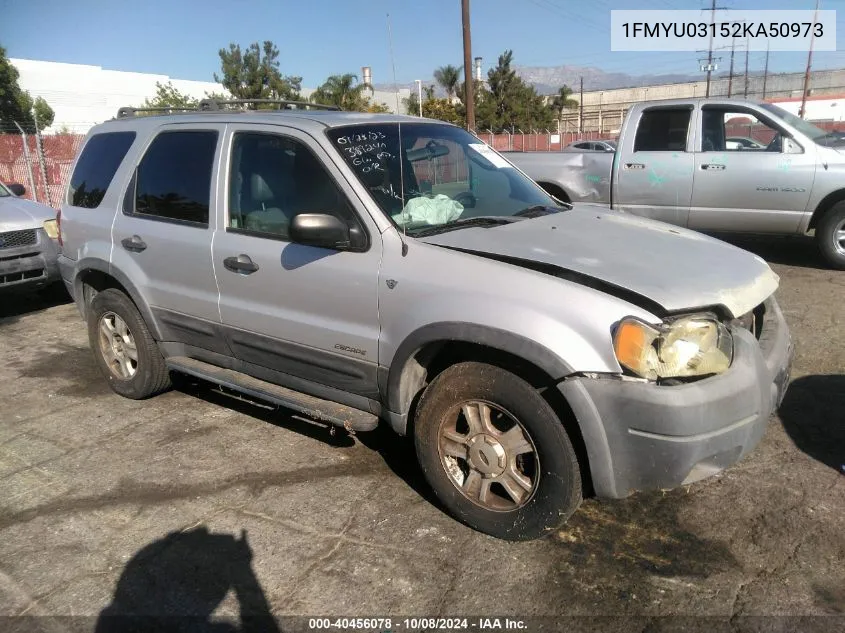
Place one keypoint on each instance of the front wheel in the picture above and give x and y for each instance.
(830, 234)
(495, 453)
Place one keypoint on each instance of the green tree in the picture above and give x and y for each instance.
(563, 100)
(342, 91)
(443, 109)
(412, 104)
(16, 104)
(346, 93)
(513, 104)
(254, 74)
(448, 77)
(168, 96)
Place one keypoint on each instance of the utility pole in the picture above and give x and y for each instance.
(766, 70)
(468, 86)
(745, 90)
(802, 112)
(710, 51)
(731, 75)
(581, 108)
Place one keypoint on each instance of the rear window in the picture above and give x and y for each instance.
(174, 177)
(663, 130)
(96, 167)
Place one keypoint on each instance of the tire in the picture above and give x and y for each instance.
(449, 446)
(116, 332)
(831, 223)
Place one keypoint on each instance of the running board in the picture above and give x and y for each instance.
(324, 410)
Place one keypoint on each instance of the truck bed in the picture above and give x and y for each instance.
(580, 176)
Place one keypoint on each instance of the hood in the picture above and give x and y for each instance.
(675, 268)
(20, 213)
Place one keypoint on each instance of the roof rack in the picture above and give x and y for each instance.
(208, 105)
(128, 111)
(214, 104)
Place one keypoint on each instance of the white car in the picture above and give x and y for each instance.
(28, 241)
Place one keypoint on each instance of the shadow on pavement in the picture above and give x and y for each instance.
(176, 583)
(797, 250)
(812, 414)
(16, 304)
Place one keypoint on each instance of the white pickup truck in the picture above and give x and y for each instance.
(679, 161)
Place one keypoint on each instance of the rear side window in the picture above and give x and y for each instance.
(663, 130)
(96, 167)
(173, 181)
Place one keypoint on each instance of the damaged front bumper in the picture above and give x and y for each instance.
(643, 436)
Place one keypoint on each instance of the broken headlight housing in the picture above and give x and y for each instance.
(690, 346)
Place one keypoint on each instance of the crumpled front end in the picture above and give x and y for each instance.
(660, 436)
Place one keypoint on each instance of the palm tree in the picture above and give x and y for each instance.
(343, 91)
(563, 101)
(448, 77)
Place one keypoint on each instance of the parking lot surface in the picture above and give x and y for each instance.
(195, 501)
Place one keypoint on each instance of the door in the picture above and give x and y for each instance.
(760, 181)
(162, 239)
(656, 168)
(310, 313)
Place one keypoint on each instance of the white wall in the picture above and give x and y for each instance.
(82, 96)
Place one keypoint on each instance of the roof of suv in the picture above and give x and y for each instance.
(299, 118)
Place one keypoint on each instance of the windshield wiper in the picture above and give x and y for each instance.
(537, 211)
(462, 224)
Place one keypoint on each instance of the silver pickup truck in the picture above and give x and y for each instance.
(679, 161)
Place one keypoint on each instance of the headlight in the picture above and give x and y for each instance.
(51, 228)
(690, 346)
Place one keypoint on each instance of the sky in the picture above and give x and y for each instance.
(318, 38)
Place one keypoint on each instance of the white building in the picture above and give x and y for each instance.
(82, 95)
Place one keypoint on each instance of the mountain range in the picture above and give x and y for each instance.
(547, 79)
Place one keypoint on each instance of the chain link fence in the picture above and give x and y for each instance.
(39, 162)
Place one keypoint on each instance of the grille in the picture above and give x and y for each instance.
(13, 239)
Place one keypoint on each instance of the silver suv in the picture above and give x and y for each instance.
(377, 268)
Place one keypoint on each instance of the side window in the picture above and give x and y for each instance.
(729, 130)
(96, 167)
(173, 180)
(663, 130)
(272, 178)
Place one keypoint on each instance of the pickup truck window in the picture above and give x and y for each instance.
(807, 129)
(663, 130)
(438, 174)
(726, 129)
(272, 178)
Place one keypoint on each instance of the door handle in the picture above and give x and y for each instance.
(241, 264)
(713, 167)
(134, 244)
(634, 166)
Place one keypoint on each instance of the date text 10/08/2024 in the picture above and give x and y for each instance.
(387, 625)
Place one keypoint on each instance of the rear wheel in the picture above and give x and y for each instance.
(123, 347)
(830, 234)
(495, 453)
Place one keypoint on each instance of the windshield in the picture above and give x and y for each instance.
(807, 129)
(440, 175)
(4, 193)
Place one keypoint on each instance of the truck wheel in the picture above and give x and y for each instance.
(830, 234)
(495, 453)
(123, 348)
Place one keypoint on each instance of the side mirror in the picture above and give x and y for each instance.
(17, 189)
(320, 229)
(791, 147)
